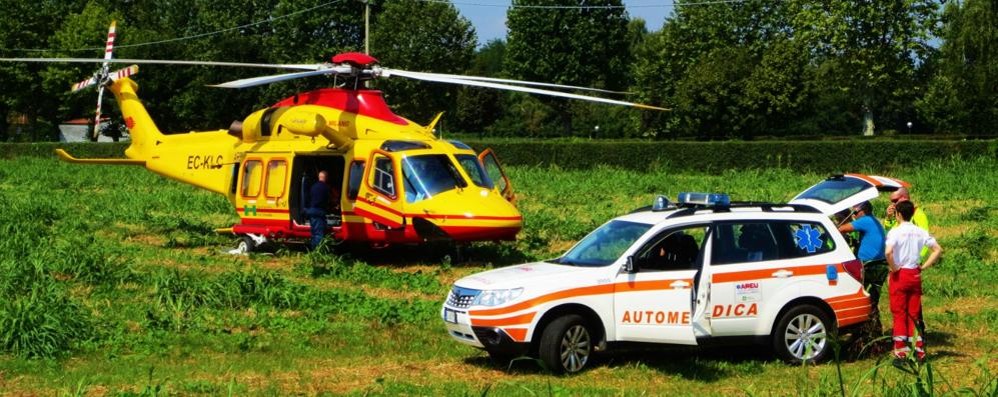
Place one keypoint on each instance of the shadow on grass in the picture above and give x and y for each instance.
(473, 255)
(706, 364)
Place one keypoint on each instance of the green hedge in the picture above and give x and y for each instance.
(817, 156)
(77, 149)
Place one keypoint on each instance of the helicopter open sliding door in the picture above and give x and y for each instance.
(304, 174)
(380, 196)
(497, 174)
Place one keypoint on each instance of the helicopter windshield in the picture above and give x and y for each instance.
(475, 170)
(428, 175)
(604, 245)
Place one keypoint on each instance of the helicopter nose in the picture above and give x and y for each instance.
(464, 218)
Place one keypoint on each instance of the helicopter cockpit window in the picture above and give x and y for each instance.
(383, 176)
(459, 145)
(475, 170)
(398, 146)
(428, 175)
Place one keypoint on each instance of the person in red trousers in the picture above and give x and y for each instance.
(904, 246)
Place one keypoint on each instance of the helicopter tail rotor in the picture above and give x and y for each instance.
(108, 52)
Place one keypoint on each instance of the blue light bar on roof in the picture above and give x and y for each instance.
(704, 199)
(661, 203)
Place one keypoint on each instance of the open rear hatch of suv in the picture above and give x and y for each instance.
(841, 192)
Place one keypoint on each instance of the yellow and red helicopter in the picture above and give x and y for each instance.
(397, 182)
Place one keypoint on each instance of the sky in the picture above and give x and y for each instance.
(489, 16)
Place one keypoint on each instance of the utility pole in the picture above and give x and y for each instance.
(367, 26)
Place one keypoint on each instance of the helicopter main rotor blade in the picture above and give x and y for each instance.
(451, 80)
(255, 81)
(169, 62)
(522, 82)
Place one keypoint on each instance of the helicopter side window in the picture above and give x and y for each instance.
(252, 173)
(475, 170)
(428, 175)
(277, 173)
(383, 176)
(355, 177)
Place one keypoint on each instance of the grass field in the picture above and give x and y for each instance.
(112, 282)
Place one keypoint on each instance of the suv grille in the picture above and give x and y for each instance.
(462, 297)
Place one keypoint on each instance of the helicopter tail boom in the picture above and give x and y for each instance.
(143, 130)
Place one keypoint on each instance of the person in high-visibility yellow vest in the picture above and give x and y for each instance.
(919, 219)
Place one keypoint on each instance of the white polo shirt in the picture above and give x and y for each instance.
(908, 240)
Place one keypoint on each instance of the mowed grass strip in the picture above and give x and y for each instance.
(134, 263)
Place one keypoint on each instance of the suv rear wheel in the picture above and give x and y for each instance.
(803, 335)
(567, 344)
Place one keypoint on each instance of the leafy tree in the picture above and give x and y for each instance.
(729, 69)
(572, 46)
(29, 25)
(877, 43)
(477, 108)
(422, 36)
(963, 95)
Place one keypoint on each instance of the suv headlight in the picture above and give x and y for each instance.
(496, 297)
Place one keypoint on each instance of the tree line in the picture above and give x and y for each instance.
(746, 69)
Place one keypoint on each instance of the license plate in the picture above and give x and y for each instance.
(450, 316)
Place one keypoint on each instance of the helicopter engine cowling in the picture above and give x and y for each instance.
(312, 124)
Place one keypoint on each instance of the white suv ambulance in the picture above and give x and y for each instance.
(702, 271)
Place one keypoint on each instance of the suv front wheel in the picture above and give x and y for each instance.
(803, 335)
(567, 344)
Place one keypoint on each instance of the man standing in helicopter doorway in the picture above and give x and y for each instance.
(318, 203)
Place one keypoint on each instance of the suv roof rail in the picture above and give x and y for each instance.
(764, 206)
(640, 209)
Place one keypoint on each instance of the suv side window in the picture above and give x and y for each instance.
(756, 241)
(806, 239)
(672, 249)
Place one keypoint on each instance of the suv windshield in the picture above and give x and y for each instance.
(604, 245)
(834, 190)
(428, 175)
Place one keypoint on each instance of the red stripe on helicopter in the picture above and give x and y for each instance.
(445, 216)
(472, 216)
(368, 103)
(361, 231)
(378, 218)
(394, 212)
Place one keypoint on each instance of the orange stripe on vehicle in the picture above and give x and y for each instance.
(872, 181)
(850, 304)
(632, 286)
(654, 285)
(569, 293)
(853, 311)
(518, 334)
(858, 294)
(852, 320)
(498, 322)
(748, 275)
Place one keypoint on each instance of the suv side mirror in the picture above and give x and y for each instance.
(629, 266)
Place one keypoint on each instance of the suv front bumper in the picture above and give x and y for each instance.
(493, 339)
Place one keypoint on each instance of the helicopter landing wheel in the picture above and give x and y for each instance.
(456, 254)
(246, 245)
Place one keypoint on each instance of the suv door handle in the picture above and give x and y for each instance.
(679, 284)
(783, 273)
